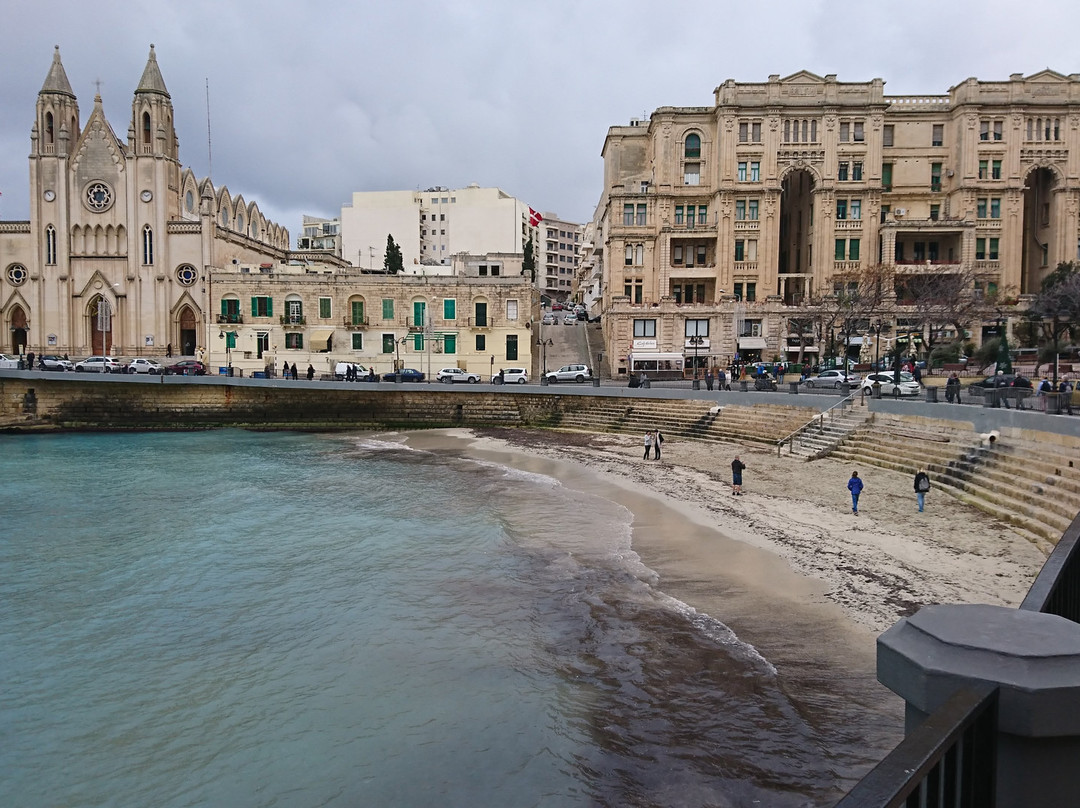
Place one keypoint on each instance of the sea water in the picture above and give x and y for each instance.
(272, 619)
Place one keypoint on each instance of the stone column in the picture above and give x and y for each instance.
(1034, 659)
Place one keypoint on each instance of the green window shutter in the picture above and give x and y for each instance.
(511, 347)
(224, 307)
(269, 307)
(450, 343)
(449, 306)
(357, 312)
(254, 307)
(853, 249)
(388, 308)
(839, 250)
(324, 308)
(358, 341)
(418, 342)
(419, 311)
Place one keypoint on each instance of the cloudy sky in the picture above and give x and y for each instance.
(311, 101)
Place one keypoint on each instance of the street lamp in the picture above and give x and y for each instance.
(544, 343)
(1059, 328)
(696, 341)
(230, 343)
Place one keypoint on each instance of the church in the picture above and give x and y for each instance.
(117, 254)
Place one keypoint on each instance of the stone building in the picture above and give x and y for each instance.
(719, 223)
(479, 318)
(121, 237)
(558, 254)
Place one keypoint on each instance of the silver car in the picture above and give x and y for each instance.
(570, 373)
(834, 379)
(143, 365)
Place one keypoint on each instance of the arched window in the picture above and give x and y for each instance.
(239, 223)
(254, 228)
(224, 218)
(50, 245)
(147, 244)
(146, 128)
(692, 150)
(49, 134)
(189, 201)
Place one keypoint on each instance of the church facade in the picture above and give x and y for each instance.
(117, 253)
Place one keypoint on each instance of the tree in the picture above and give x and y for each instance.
(528, 265)
(1059, 302)
(392, 261)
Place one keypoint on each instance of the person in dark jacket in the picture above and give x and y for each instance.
(737, 467)
(922, 485)
(952, 389)
(855, 486)
(310, 372)
(293, 372)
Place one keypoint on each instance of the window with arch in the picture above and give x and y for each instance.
(294, 310)
(49, 130)
(254, 227)
(224, 217)
(146, 128)
(692, 147)
(147, 245)
(186, 275)
(239, 223)
(50, 245)
(16, 274)
(189, 202)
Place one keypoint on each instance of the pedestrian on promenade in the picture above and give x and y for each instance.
(708, 379)
(721, 380)
(737, 467)
(855, 486)
(1065, 389)
(293, 371)
(648, 443)
(922, 485)
(284, 370)
(952, 389)
(658, 439)
(310, 372)
(168, 349)
(917, 373)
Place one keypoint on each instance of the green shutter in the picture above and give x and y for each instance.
(324, 308)
(511, 347)
(839, 253)
(418, 342)
(450, 343)
(224, 308)
(358, 312)
(419, 311)
(449, 309)
(853, 249)
(269, 307)
(254, 307)
(388, 308)
(358, 341)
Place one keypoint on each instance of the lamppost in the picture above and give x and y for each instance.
(877, 327)
(696, 342)
(544, 343)
(491, 375)
(1059, 328)
(230, 343)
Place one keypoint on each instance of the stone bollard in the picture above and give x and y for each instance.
(990, 397)
(931, 395)
(744, 386)
(876, 390)
(695, 384)
(1033, 658)
(596, 381)
(544, 381)
(1053, 403)
(793, 388)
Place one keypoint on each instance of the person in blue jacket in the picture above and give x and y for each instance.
(855, 486)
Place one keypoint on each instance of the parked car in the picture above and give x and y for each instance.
(9, 362)
(143, 365)
(451, 375)
(1004, 380)
(556, 306)
(834, 379)
(515, 376)
(570, 319)
(549, 319)
(907, 387)
(407, 375)
(187, 367)
(54, 362)
(570, 373)
(99, 364)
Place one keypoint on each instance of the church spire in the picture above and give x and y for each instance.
(57, 80)
(151, 81)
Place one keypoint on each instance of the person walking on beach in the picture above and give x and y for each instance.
(855, 486)
(648, 443)
(922, 485)
(658, 438)
(737, 467)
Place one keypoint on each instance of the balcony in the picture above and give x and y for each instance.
(481, 322)
(293, 320)
(849, 224)
(747, 225)
(355, 324)
(230, 318)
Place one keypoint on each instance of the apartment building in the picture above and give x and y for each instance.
(722, 222)
(559, 253)
(431, 226)
(320, 235)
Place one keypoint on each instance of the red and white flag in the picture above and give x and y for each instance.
(534, 218)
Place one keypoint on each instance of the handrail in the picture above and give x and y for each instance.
(1056, 590)
(848, 399)
(948, 760)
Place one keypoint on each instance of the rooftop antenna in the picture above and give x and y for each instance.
(209, 147)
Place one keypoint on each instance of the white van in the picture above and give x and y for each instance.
(342, 367)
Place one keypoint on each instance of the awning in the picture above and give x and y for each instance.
(321, 335)
(639, 356)
(752, 343)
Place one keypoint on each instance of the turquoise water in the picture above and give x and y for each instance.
(254, 619)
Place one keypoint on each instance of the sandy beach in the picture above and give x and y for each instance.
(791, 539)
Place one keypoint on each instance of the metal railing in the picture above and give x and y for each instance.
(950, 759)
(818, 421)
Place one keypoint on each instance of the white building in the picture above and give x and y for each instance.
(557, 256)
(433, 225)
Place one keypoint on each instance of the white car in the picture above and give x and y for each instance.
(99, 364)
(907, 387)
(54, 362)
(142, 365)
(834, 379)
(570, 319)
(515, 376)
(451, 375)
(549, 319)
(9, 362)
(570, 373)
